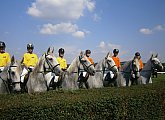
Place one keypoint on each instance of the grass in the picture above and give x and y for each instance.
(79, 100)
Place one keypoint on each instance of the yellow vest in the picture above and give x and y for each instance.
(62, 62)
(30, 59)
(4, 59)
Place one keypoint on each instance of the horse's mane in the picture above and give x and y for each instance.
(72, 66)
(98, 66)
(126, 66)
(38, 65)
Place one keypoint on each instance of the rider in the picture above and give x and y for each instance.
(117, 62)
(4, 56)
(115, 58)
(29, 60)
(137, 55)
(83, 77)
(88, 53)
(61, 60)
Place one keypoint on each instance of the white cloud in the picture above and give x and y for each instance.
(96, 17)
(146, 31)
(102, 45)
(79, 34)
(60, 9)
(159, 27)
(106, 47)
(62, 28)
(114, 46)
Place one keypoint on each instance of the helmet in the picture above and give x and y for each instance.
(137, 54)
(88, 52)
(2, 44)
(61, 51)
(116, 51)
(30, 46)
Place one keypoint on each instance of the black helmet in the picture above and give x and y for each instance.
(116, 51)
(88, 52)
(30, 46)
(2, 44)
(137, 54)
(61, 51)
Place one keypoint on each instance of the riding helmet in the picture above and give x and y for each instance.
(88, 52)
(30, 46)
(137, 54)
(116, 51)
(61, 51)
(2, 44)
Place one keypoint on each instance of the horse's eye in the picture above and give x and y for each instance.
(84, 61)
(50, 59)
(109, 60)
(13, 73)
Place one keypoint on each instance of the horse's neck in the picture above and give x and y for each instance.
(147, 70)
(100, 65)
(148, 66)
(39, 67)
(73, 66)
(126, 67)
(4, 73)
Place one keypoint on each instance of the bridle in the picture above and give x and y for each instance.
(107, 61)
(105, 68)
(132, 68)
(153, 66)
(51, 67)
(86, 68)
(9, 82)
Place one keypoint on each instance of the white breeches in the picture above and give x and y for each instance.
(25, 72)
(1, 68)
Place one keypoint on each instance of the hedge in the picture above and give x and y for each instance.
(135, 102)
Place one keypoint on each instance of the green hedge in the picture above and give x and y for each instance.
(136, 102)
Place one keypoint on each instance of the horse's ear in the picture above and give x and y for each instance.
(81, 53)
(53, 50)
(152, 56)
(48, 51)
(108, 54)
(156, 55)
(12, 59)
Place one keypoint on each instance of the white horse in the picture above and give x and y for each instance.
(36, 81)
(10, 77)
(78, 65)
(146, 73)
(102, 68)
(129, 73)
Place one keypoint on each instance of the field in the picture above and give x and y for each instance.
(135, 102)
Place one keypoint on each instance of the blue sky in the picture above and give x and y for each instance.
(75, 25)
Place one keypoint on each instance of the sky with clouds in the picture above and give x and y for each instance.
(75, 25)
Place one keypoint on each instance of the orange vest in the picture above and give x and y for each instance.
(90, 59)
(141, 64)
(117, 61)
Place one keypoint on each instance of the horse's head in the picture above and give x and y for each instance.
(85, 64)
(51, 63)
(14, 73)
(156, 64)
(110, 64)
(135, 67)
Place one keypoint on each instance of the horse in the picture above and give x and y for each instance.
(47, 63)
(129, 73)
(10, 77)
(71, 75)
(152, 63)
(102, 67)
